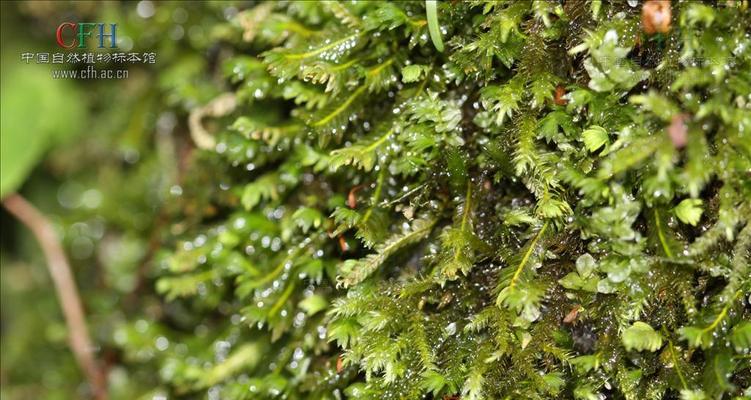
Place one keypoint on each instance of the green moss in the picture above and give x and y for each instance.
(554, 206)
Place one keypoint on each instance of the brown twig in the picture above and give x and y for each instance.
(65, 287)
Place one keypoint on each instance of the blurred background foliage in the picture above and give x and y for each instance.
(104, 160)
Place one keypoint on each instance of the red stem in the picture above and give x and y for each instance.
(65, 287)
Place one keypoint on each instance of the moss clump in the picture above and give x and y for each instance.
(554, 206)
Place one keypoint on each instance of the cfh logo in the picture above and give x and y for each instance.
(71, 34)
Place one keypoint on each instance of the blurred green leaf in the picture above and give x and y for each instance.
(640, 336)
(689, 211)
(595, 137)
(38, 112)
